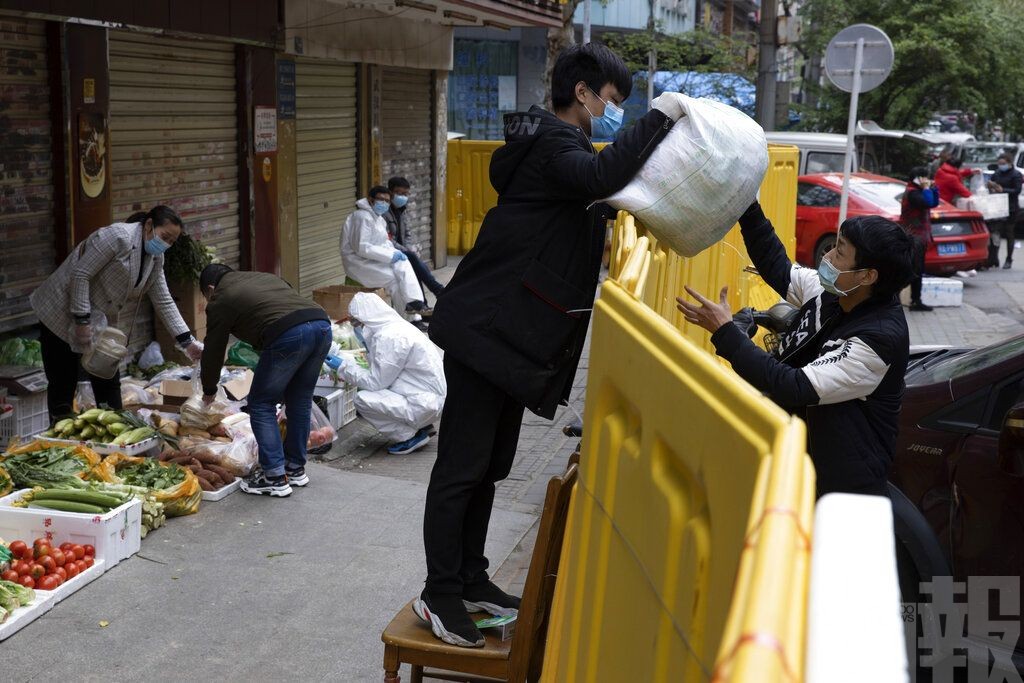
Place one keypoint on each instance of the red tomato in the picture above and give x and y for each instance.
(89, 550)
(21, 567)
(27, 581)
(59, 558)
(37, 571)
(88, 561)
(79, 552)
(9, 575)
(61, 573)
(48, 583)
(18, 549)
(81, 566)
(72, 569)
(64, 546)
(48, 564)
(42, 550)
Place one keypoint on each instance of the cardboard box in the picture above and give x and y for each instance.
(336, 298)
(175, 391)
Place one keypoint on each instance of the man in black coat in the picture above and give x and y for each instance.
(513, 320)
(1009, 180)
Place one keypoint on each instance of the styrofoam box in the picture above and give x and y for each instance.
(341, 406)
(116, 535)
(71, 585)
(23, 616)
(990, 206)
(150, 444)
(30, 417)
(938, 291)
(222, 492)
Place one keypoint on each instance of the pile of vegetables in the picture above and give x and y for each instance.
(42, 566)
(135, 370)
(206, 468)
(120, 428)
(150, 474)
(170, 484)
(12, 596)
(86, 501)
(6, 485)
(54, 467)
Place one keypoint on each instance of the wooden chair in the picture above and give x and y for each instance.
(409, 640)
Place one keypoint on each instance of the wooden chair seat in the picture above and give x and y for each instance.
(416, 644)
(409, 640)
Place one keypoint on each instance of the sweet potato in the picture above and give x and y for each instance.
(196, 469)
(226, 476)
(205, 457)
(205, 485)
(183, 459)
(211, 477)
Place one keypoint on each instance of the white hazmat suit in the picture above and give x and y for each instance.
(404, 389)
(367, 253)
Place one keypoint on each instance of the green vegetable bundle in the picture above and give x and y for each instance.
(55, 467)
(151, 474)
(120, 428)
(13, 596)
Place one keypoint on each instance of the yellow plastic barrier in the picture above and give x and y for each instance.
(686, 554)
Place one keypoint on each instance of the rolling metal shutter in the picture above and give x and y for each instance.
(326, 166)
(407, 148)
(26, 175)
(174, 137)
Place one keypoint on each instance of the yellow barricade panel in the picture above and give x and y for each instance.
(675, 448)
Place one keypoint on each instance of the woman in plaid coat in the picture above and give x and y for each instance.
(107, 275)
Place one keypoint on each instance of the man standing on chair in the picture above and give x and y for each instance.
(372, 260)
(514, 318)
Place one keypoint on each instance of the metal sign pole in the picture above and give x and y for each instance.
(851, 130)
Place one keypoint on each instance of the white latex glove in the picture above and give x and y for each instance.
(670, 104)
(194, 351)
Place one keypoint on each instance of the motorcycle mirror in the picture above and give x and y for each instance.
(1011, 442)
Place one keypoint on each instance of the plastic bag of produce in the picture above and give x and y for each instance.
(151, 356)
(700, 179)
(197, 414)
(238, 455)
(84, 398)
(173, 485)
(321, 433)
(243, 355)
(345, 336)
(133, 393)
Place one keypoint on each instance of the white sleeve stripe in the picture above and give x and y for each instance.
(804, 285)
(852, 370)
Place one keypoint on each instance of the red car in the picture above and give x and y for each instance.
(960, 237)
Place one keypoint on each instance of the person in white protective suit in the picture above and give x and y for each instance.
(403, 392)
(372, 260)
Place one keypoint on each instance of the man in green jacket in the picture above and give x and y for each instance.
(293, 336)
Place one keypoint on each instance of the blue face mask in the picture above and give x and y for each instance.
(156, 246)
(400, 201)
(608, 124)
(1003, 167)
(828, 274)
(380, 207)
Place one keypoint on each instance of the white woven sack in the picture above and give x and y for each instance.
(700, 179)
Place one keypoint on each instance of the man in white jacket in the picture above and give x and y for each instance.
(403, 392)
(372, 260)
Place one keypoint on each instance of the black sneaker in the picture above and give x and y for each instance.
(919, 306)
(1008, 265)
(486, 597)
(448, 619)
(259, 484)
(297, 477)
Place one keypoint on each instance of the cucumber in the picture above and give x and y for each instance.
(87, 497)
(68, 506)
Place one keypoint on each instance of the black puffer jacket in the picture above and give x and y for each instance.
(516, 309)
(841, 372)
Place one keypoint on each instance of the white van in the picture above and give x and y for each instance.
(819, 152)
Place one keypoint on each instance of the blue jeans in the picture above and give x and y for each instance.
(287, 372)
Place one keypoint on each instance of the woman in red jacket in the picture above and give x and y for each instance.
(949, 180)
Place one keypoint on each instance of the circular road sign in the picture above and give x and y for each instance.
(840, 57)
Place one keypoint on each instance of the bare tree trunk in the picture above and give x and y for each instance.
(558, 40)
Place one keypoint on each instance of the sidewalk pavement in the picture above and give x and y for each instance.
(252, 589)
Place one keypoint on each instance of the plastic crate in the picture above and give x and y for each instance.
(339, 405)
(116, 535)
(30, 417)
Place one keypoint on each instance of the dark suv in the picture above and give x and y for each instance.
(958, 476)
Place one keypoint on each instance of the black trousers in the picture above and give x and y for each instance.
(475, 449)
(1008, 231)
(63, 367)
(422, 272)
(920, 247)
